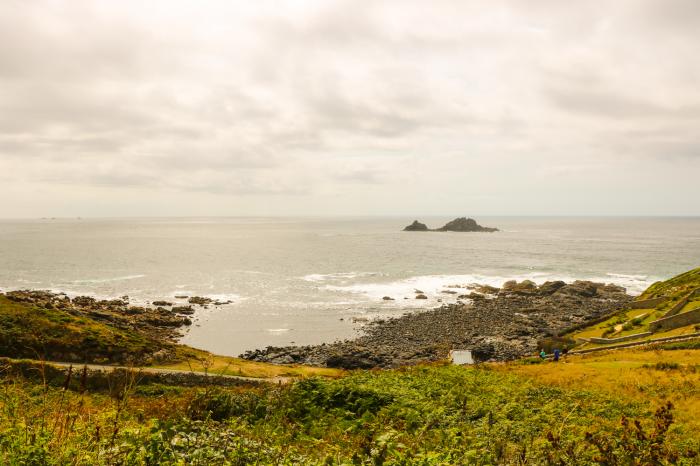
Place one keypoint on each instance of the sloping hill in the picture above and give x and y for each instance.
(31, 331)
(49, 327)
(669, 308)
(675, 287)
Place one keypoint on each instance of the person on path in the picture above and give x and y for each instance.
(556, 355)
(543, 355)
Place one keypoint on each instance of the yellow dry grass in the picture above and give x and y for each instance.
(631, 373)
(226, 365)
(598, 329)
(676, 332)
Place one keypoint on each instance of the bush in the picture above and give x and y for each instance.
(663, 366)
(219, 405)
(418, 415)
(556, 342)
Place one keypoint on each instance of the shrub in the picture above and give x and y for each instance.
(663, 366)
(219, 404)
(558, 342)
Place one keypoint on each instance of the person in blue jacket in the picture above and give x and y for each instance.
(556, 354)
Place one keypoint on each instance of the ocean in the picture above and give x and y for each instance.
(314, 280)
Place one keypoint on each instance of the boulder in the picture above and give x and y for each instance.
(421, 296)
(483, 352)
(551, 287)
(187, 310)
(524, 287)
(162, 303)
(581, 288)
(487, 289)
(199, 300)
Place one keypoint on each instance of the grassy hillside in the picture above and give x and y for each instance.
(650, 375)
(28, 331)
(606, 409)
(32, 332)
(675, 287)
(627, 322)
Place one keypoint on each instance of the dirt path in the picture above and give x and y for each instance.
(212, 376)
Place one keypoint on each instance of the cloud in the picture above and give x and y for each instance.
(243, 102)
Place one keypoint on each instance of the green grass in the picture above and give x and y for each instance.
(630, 322)
(675, 287)
(692, 304)
(619, 319)
(30, 332)
(27, 331)
(429, 415)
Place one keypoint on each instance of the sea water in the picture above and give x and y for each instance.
(314, 280)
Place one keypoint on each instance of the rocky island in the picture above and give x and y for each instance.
(416, 226)
(461, 224)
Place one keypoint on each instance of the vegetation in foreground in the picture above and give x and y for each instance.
(631, 407)
(584, 411)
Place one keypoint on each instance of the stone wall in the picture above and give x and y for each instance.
(675, 321)
(647, 303)
(691, 336)
(681, 304)
(604, 341)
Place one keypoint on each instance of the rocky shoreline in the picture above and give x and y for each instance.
(163, 320)
(496, 324)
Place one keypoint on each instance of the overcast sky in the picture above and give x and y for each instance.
(521, 107)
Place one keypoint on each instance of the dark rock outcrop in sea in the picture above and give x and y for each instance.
(465, 224)
(461, 224)
(416, 226)
(496, 324)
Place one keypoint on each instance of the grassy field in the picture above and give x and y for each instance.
(633, 321)
(603, 409)
(649, 375)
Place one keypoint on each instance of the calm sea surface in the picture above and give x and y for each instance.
(306, 280)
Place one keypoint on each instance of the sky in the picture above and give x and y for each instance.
(206, 108)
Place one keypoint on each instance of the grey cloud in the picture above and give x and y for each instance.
(361, 176)
(603, 105)
(258, 99)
